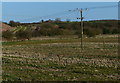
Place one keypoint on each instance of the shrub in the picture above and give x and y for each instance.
(13, 23)
(24, 34)
(106, 31)
(115, 31)
(7, 35)
(49, 32)
(78, 33)
(67, 32)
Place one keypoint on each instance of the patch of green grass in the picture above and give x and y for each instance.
(40, 60)
(59, 40)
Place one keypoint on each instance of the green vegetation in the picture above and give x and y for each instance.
(53, 51)
(62, 40)
(24, 33)
(20, 32)
(7, 35)
(57, 27)
(61, 59)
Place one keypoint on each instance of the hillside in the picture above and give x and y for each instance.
(5, 27)
(55, 28)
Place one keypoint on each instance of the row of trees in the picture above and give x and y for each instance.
(91, 29)
(15, 24)
(29, 33)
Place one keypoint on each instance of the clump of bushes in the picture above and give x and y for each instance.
(89, 32)
(47, 30)
(92, 32)
(23, 35)
(7, 35)
(53, 28)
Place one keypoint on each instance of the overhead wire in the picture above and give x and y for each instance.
(46, 16)
(101, 7)
(98, 7)
(57, 15)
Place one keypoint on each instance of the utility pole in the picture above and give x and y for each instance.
(81, 23)
(81, 11)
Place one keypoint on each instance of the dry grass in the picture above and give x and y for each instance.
(61, 61)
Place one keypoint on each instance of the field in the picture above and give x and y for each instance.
(61, 59)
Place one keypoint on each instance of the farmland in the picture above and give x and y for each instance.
(58, 59)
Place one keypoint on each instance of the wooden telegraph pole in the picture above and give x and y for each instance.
(81, 23)
(81, 11)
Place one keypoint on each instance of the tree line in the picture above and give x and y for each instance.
(57, 27)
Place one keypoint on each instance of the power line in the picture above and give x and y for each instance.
(61, 13)
(81, 17)
(40, 17)
(46, 16)
(101, 7)
(71, 11)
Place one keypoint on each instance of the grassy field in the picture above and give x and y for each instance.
(61, 59)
